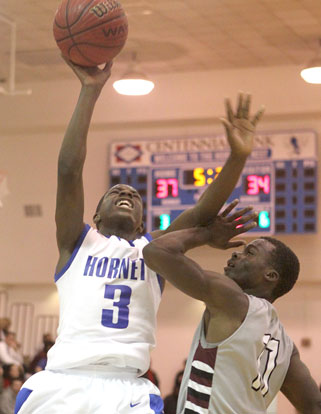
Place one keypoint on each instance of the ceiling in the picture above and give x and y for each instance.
(171, 36)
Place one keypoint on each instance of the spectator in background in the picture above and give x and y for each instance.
(12, 372)
(9, 350)
(40, 359)
(4, 327)
(8, 397)
(170, 402)
(1, 379)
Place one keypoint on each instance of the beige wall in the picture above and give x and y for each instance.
(31, 130)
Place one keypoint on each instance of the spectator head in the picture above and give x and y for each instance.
(5, 324)
(46, 338)
(16, 384)
(10, 339)
(13, 371)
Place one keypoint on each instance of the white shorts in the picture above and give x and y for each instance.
(88, 392)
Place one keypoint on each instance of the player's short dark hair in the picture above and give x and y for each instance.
(286, 263)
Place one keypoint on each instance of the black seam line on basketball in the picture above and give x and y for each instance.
(81, 54)
(77, 20)
(89, 28)
(75, 44)
(71, 38)
(93, 45)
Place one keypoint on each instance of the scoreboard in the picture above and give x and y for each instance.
(170, 173)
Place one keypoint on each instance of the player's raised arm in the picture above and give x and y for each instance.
(300, 388)
(166, 256)
(240, 129)
(70, 197)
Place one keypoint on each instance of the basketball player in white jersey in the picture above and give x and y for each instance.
(108, 297)
(240, 356)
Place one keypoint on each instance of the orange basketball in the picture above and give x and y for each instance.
(90, 32)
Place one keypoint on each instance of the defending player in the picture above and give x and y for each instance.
(240, 356)
(108, 297)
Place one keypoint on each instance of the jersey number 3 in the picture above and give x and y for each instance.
(118, 316)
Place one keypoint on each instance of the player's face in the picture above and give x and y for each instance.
(247, 268)
(122, 201)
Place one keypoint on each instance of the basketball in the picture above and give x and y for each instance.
(90, 32)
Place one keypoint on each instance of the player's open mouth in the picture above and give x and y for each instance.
(125, 204)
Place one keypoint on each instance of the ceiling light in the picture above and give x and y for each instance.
(312, 72)
(133, 82)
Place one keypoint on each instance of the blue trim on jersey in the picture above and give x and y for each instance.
(156, 403)
(79, 243)
(22, 396)
(131, 243)
(148, 237)
(160, 282)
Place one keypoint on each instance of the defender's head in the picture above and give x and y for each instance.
(266, 266)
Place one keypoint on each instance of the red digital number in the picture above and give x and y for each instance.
(166, 187)
(257, 183)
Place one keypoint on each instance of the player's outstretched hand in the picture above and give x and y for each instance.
(91, 76)
(240, 126)
(226, 226)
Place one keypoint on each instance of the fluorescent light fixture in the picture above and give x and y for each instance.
(133, 84)
(312, 72)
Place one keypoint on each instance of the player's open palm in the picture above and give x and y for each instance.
(226, 226)
(240, 126)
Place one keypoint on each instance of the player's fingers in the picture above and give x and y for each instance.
(246, 227)
(258, 115)
(229, 110)
(227, 125)
(239, 111)
(246, 218)
(236, 243)
(239, 213)
(108, 66)
(229, 208)
(246, 106)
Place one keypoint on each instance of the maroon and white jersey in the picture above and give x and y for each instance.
(242, 374)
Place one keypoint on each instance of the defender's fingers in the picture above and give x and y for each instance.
(246, 218)
(239, 213)
(233, 244)
(229, 208)
(258, 115)
(246, 227)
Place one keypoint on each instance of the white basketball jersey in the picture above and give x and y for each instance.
(108, 305)
(242, 374)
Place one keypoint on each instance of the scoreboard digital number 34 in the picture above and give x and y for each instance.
(279, 178)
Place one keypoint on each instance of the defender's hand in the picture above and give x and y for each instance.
(239, 127)
(226, 226)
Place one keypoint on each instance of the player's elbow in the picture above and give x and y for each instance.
(154, 255)
(149, 255)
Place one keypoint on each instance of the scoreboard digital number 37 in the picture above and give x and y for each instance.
(279, 178)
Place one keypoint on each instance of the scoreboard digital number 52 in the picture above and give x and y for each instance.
(279, 179)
